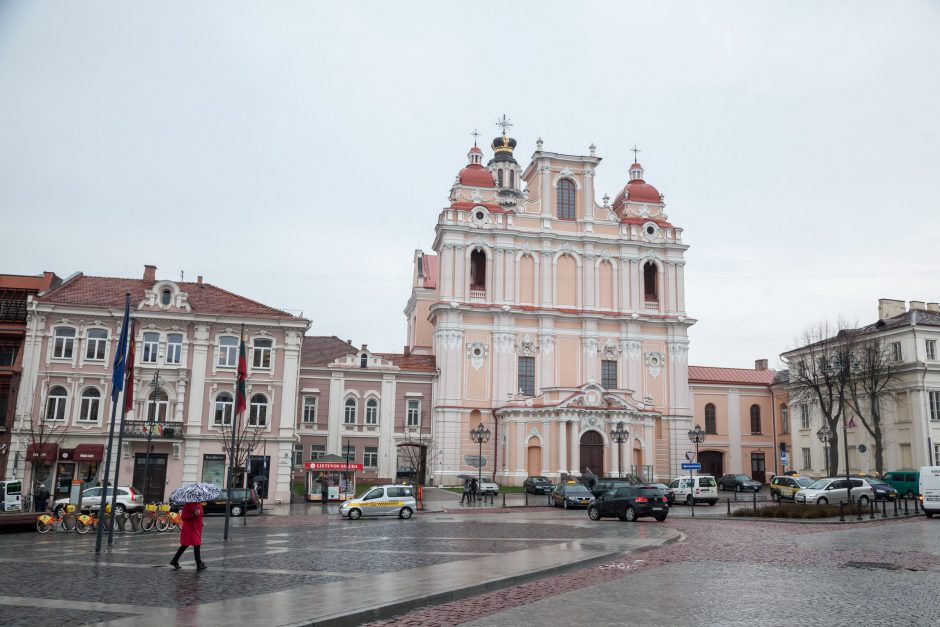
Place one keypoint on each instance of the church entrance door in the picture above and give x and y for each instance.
(534, 461)
(592, 453)
(712, 463)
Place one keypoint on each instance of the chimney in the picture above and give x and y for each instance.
(407, 350)
(349, 342)
(365, 347)
(199, 280)
(933, 306)
(918, 305)
(889, 308)
(150, 273)
(760, 364)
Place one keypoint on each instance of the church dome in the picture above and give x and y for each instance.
(477, 176)
(637, 190)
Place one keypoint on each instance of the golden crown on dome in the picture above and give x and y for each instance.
(503, 143)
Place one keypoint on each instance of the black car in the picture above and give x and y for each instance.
(670, 493)
(629, 503)
(538, 485)
(243, 500)
(605, 485)
(571, 494)
(738, 483)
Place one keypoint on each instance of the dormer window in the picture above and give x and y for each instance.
(166, 297)
(363, 360)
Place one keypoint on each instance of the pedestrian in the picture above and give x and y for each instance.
(466, 492)
(190, 534)
(42, 497)
(473, 490)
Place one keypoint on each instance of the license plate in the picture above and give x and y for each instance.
(657, 509)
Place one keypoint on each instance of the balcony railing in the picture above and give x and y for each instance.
(138, 429)
(477, 294)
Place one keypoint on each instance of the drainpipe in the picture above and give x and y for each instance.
(495, 443)
(773, 422)
(930, 459)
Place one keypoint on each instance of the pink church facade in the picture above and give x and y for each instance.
(552, 318)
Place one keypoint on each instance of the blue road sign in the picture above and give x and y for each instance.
(692, 466)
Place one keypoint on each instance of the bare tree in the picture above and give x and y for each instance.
(818, 368)
(37, 435)
(247, 439)
(874, 378)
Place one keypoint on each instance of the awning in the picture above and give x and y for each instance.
(48, 452)
(89, 452)
(332, 466)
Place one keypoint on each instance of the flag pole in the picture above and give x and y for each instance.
(240, 374)
(128, 390)
(117, 384)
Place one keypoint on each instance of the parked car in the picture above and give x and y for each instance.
(605, 485)
(784, 487)
(382, 500)
(11, 495)
(929, 488)
(629, 503)
(538, 484)
(738, 483)
(700, 489)
(670, 493)
(243, 500)
(882, 491)
(489, 488)
(128, 500)
(833, 490)
(571, 494)
(906, 482)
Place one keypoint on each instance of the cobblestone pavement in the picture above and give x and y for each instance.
(277, 564)
(732, 572)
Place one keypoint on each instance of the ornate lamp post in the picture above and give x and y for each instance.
(825, 435)
(157, 385)
(696, 437)
(480, 435)
(619, 435)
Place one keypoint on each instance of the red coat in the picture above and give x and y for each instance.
(191, 533)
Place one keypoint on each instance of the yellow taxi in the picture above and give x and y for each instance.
(384, 500)
(785, 487)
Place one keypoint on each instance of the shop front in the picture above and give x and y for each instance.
(330, 478)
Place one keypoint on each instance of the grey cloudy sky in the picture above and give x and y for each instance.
(298, 152)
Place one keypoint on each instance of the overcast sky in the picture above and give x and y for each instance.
(298, 152)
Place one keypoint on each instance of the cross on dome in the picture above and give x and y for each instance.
(636, 151)
(475, 134)
(504, 124)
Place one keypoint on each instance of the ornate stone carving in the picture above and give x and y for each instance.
(503, 342)
(679, 350)
(592, 398)
(565, 173)
(547, 342)
(654, 362)
(477, 352)
(631, 348)
(605, 254)
(527, 345)
(476, 197)
(450, 338)
(592, 421)
(610, 350)
(533, 433)
(589, 344)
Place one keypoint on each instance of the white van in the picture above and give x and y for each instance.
(704, 487)
(930, 490)
(11, 495)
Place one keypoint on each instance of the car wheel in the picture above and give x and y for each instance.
(355, 514)
(822, 501)
(661, 518)
(593, 514)
(909, 494)
(712, 503)
(928, 514)
(863, 501)
(57, 510)
(564, 504)
(237, 510)
(629, 514)
(405, 513)
(775, 497)
(688, 500)
(119, 509)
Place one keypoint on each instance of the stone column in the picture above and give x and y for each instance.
(562, 445)
(575, 465)
(546, 447)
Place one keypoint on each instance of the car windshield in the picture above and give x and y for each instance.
(879, 483)
(575, 490)
(803, 481)
(707, 482)
(819, 485)
(742, 477)
(539, 480)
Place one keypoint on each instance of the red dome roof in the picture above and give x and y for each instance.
(477, 176)
(640, 191)
(476, 150)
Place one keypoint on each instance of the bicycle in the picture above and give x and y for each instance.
(89, 522)
(65, 519)
(152, 519)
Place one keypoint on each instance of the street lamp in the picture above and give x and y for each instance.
(157, 385)
(696, 437)
(619, 435)
(825, 435)
(480, 435)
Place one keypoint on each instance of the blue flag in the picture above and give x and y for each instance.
(120, 357)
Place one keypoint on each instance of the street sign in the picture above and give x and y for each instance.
(689, 455)
(692, 466)
(783, 457)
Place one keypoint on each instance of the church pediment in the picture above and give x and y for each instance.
(594, 396)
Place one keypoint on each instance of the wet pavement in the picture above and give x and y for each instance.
(293, 569)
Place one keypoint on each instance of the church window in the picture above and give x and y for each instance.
(755, 419)
(477, 270)
(711, 422)
(565, 199)
(609, 374)
(527, 376)
(649, 281)
(499, 178)
(512, 179)
(363, 361)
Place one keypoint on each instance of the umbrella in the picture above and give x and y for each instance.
(466, 477)
(196, 493)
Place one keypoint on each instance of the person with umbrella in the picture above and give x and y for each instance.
(192, 497)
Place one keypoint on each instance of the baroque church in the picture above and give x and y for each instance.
(553, 318)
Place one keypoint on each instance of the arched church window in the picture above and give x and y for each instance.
(711, 424)
(477, 270)
(649, 281)
(755, 419)
(499, 178)
(512, 179)
(565, 199)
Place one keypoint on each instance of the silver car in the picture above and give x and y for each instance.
(833, 490)
(383, 500)
(128, 500)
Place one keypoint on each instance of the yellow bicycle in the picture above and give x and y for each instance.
(65, 519)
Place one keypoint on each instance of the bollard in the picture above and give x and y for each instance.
(841, 511)
(906, 511)
(884, 509)
(871, 514)
(916, 506)
(755, 500)
(896, 508)
(858, 509)
(504, 499)
(728, 500)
